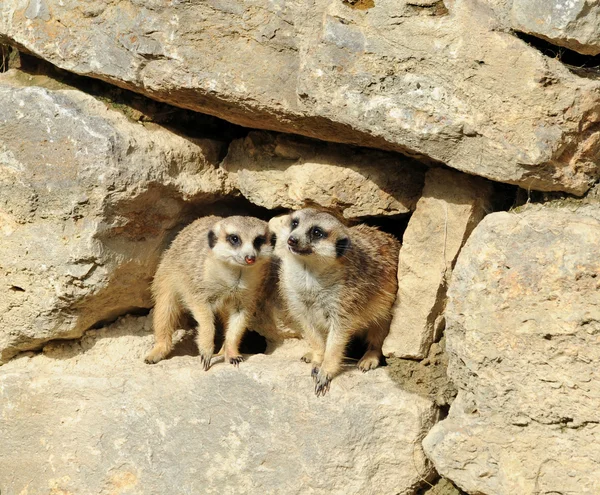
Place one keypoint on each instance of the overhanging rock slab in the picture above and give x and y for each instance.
(441, 85)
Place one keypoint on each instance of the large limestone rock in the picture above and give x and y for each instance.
(399, 75)
(283, 171)
(523, 336)
(91, 417)
(87, 201)
(451, 206)
(574, 24)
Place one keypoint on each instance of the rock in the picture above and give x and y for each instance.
(523, 335)
(98, 420)
(402, 76)
(88, 200)
(574, 24)
(283, 171)
(451, 206)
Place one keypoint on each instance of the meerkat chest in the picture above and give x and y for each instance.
(312, 297)
(232, 286)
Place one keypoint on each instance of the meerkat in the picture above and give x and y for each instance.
(338, 282)
(215, 267)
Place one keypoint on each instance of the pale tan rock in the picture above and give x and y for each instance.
(88, 200)
(523, 337)
(451, 206)
(91, 417)
(421, 79)
(283, 171)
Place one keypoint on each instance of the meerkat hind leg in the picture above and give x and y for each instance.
(166, 315)
(205, 337)
(372, 357)
(315, 355)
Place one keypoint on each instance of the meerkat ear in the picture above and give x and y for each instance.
(213, 234)
(212, 239)
(341, 246)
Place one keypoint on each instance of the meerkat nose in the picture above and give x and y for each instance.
(250, 260)
(292, 241)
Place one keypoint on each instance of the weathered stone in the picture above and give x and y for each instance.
(523, 337)
(451, 206)
(87, 201)
(574, 24)
(284, 171)
(91, 417)
(376, 74)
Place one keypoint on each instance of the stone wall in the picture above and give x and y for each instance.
(432, 119)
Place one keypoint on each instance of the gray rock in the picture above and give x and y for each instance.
(403, 76)
(523, 327)
(451, 206)
(283, 171)
(574, 24)
(88, 200)
(91, 417)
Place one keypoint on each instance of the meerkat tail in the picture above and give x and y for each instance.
(166, 315)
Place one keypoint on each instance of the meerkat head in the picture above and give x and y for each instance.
(314, 233)
(241, 241)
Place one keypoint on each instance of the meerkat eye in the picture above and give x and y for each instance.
(259, 241)
(317, 233)
(234, 239)
(295, 223)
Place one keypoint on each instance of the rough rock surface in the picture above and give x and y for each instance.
(523, 337)
(87, 201)
(574, 24)
(452, 205)
(407, 76)
(284, 171)
(98, 420)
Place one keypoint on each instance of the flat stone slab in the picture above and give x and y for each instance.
(89, 416)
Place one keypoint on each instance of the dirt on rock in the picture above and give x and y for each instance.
(443, 487)
(427, 377)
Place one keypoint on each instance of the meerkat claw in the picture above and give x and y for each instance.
(205, 360)
(307, 358)
(236, 360)
(322, 385)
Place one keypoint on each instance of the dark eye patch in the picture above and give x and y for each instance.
(317, 233)
(295, 223)
(259, 241)
(233, 239)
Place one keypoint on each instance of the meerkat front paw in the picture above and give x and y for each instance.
(322, 382)
(235, 359)
(205, 358)
(314, 372)
(369, 361)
